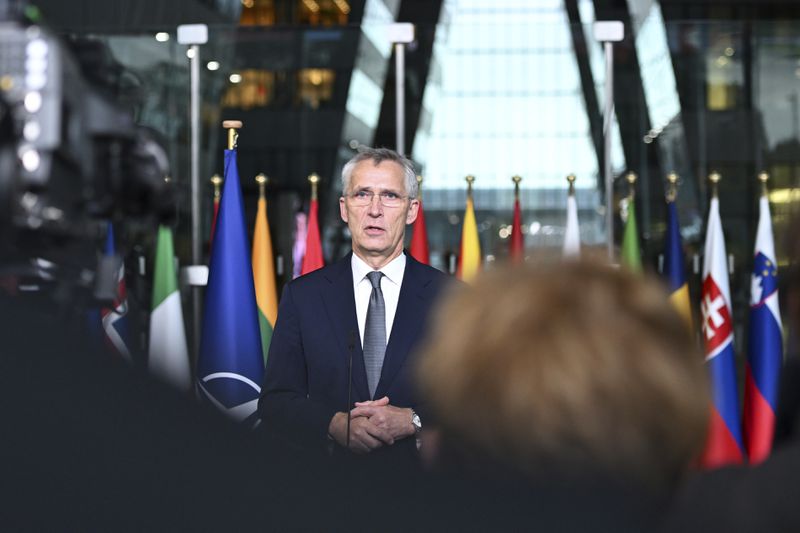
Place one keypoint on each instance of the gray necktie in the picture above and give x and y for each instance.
(375, 333)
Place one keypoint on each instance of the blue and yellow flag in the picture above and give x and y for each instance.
(674, 266)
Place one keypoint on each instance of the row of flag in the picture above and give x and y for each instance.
(241, 306)
(732, 439)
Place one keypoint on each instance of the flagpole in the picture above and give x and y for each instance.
(313, 179)
(516, 180)
(261, 179)
(714, 178)
(763, 177)
(631, 178)
(216, 181)
(672, 187)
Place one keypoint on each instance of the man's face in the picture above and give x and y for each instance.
(377, 231)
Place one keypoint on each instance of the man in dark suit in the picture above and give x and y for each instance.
(346, 331)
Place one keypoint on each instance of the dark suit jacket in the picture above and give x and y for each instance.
(306, 379)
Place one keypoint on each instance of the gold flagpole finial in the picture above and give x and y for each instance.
(470, 180)
(313, 179)
(631, 179)
(571, 179)
(261, 179)
(672, 186)
(763, 177)
(233, 134)
(419, 187)
(714, 178)
(167, 178)
(516, 180)
(216, 181)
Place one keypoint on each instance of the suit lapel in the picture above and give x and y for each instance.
(406, 326)
(340, 305)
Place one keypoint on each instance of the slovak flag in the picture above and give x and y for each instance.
(765, 344)
(724, 441)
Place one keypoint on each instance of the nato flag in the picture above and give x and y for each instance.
(230, 365)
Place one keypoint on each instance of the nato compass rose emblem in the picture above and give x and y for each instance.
(234, 395)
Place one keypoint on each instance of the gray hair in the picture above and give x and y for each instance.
(379, 155)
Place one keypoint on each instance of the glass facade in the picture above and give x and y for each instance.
(501, 88)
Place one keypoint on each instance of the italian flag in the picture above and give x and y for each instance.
(169, 357)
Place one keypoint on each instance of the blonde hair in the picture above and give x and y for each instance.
(577, 362)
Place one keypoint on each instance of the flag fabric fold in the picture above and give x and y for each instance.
(264, 276)
(299, 245)
(631, 257)
(230, 365)
(674, 266)
(517, 243)
(419, 238)
(313, 258)
(114, 319)
(765, 343)
(724, 441)
(572, 235)
(168, 354)
(469, 261)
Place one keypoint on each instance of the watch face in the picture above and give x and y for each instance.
(416, 422)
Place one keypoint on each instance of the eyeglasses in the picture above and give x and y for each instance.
(386, 198)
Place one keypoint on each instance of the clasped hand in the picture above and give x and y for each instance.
(373, 424)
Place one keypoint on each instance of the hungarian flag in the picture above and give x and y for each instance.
(674, 266)
(230, 365)
(115, 318)
(469, 262)
(631, 257)
(312, 260)
(517, 245)
(724, 442)
(572, 234)
(419, 239)
(169, 356)
(264, 275)
(765, 343)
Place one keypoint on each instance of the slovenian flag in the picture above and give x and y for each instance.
(765, 344)
(724, 442)
(230, 365)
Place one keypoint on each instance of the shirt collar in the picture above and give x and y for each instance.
(393, 271)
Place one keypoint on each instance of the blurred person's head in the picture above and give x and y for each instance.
(572, 365)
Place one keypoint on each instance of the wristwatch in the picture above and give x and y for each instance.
(416, 422)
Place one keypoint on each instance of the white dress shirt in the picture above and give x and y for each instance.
(391, 281)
